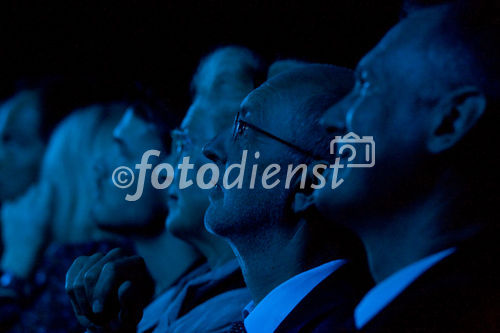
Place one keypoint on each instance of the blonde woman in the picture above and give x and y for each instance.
(52, 220)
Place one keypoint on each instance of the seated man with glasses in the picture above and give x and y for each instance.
(304, 274)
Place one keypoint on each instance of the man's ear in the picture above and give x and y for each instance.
(457, 114)
(303, 198)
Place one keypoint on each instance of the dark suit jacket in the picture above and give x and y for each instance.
(330, 305)
(458, 294)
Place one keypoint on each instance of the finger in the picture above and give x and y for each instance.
(84, 321)
(71, 275)
(112, 276)
(80, 296)
(131, 295)
(92, 274)
(131, 306)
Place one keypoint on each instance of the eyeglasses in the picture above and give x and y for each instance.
(180, 141)
(240, 126)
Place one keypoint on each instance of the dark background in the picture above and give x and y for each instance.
(106, 45)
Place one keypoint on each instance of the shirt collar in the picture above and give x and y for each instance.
(387, 290)
(275, 307)
(249, 308)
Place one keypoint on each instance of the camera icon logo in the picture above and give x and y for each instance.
(352, 143)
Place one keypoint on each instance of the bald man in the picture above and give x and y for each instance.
(427, 211)
(304, 274)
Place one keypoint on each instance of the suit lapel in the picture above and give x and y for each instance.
(458, 294)
(332, 301)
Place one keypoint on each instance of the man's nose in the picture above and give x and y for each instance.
(333, 120)
(126, 124)
(214, 149)
(163, 175)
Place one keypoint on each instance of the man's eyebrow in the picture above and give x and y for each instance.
(119, 141)
(358, 71)
(180, 130)
(244, 110)
(122, 145)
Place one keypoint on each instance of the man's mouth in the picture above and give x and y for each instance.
(342, 157)
(216, 192)
(172, 199)
(342, 172)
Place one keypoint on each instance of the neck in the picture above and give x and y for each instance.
(167, 258)
(215, 249)
(410, 234)
(271, 259)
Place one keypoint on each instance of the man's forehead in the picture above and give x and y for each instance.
(250, 105)
(132, 121)
(279, 98)
(190, 119)
(207, 77)
(218, 79)
(389, 43)
(401, 48)
(198, 124)
(260, 103)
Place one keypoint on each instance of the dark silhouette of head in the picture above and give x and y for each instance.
(137, 132)
(221, 82)
(428, 93)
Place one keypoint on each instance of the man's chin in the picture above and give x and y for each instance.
(212, 221)
(109, 226)
(176, 224)
(322, 198)
(216, 194)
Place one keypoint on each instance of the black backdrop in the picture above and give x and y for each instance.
(160, 42)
